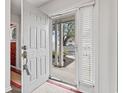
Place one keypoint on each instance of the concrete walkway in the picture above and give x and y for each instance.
(65, 74)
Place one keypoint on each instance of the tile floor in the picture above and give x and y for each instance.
(15, 77)
(15, 90)
(47, 88)
(51, 88)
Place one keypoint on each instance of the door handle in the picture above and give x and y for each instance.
(25, 67)
(24, 55)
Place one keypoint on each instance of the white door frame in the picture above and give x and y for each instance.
(7, 45)
(70, 12)
(75, 11)
(17, 66)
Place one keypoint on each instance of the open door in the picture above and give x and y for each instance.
(35, 47)
(86, 50)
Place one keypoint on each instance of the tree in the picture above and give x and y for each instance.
(69, 31)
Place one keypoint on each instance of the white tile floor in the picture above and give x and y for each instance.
(50, 88)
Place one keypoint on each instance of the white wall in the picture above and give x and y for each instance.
(107, 46)
(60, 5)
(9, 18)
(7, 47)
(113, 46)
(16, 6)
(15, 18)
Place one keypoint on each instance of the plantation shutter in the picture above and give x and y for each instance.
(86, 50)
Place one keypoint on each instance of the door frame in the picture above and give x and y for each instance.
(75, 11)
(17, 44)
(22, 82)
(64, 14)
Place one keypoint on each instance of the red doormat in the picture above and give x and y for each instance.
(63, 86)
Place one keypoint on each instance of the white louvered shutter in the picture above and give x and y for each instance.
(86, 50)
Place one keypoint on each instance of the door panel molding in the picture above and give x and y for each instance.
(35, 36)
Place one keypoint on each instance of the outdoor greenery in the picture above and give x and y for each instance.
(68, 35)
(69, 32)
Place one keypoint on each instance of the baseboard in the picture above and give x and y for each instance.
(16, 70)
(8, 89)
(64, 86)
(17, 85)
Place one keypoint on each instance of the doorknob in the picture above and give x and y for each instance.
(25, 66)
(24, 55)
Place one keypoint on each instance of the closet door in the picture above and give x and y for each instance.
(86, 50)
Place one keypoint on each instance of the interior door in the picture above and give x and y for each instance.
(86, 50)
(35, 47)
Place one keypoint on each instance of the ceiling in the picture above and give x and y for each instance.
(16, 5)
(38, 3)
(49, 7)
(57, 7)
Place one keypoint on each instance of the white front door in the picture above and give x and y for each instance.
(35, 44)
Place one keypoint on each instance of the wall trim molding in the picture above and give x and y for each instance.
(8, 89)
(78, 6)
